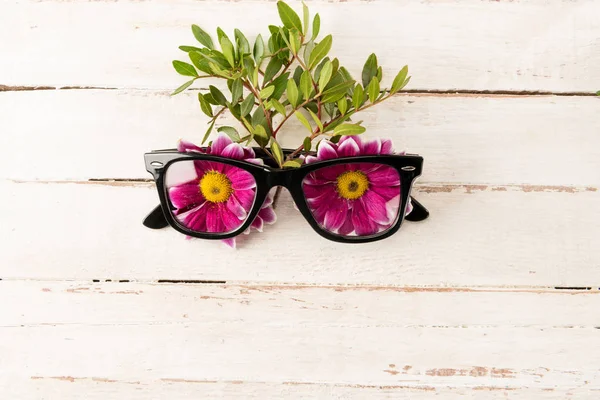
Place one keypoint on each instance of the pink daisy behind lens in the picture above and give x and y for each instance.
(215, 197)
(353, 199)
(210, 197)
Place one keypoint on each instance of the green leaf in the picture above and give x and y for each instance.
(307, 144)
(183, 87)
(369, 70)
(210, 99)
(306, 86)
(248, 125)
(272, 69)
(200, 62)
(308, 48)
(247, 105)
(316, 26)
(260, 135)
(288, 16)
(217, 95)
(255, 77)
(276, 151)
(325, 75)
(259, 49)
(235, 110)
(348, 130)
(358, 98)
(336, 92)
(399, 79)
(312, 106)
(373, 89)
(379, 73)
(292, 93)
(317, 120)
(306, 15)
(292, 164)
(343, 105)
(208, 131)
(303, 119)
(598, 93)
(278, 106)
(218, 71)
(187, 49)
(408, 80)
(297, 74)
(202, 37)
(320, 51)
(236, 91)
(204, 105)
(231, 132)
(295, 41)
(280, 84)
(184, 68)
(266, 92)
(243, 44)
(227, 48)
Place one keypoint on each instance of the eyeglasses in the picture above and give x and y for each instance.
(352, 200)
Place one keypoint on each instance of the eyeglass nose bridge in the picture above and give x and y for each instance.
(279, 177)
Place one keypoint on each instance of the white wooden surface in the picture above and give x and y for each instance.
(495, 296)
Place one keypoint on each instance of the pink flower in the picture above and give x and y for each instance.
(220, 196)
(358, 198)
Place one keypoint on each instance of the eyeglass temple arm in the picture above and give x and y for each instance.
(156, 219)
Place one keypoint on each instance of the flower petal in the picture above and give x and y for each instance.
(375, 207)
(361, 221)
(219, 144)
(186, 195)
(245, 197)
(229, 242)
(387, 176)
(184, 146)
(240, 179)
(310, 159)
(258, 224)
(372, 147)
(236, 208)
(233, 150)
(214, 224)
(326, 151)
(268, 215)
(248, 153)
(257, 161)
(348, 227)
(385, 191)
(386, 147)
(336, 215)
(230, 221)
(348, 149)
(195, 219)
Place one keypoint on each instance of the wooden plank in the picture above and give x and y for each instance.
(472, 44)
(464, 139)
(477, 235)
(278, 339)
(71, 388)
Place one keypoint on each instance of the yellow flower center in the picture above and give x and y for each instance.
(352, 185)
(215, 187)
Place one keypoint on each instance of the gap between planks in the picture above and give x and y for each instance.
(338, 287)
(427, 187)
(409, 92)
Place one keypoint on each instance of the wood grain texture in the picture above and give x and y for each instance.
(533, 45)
(70, 388)
(300, 341)
(477, 235)
(477, 140)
